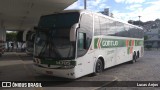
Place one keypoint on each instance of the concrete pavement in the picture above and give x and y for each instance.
(18, 67)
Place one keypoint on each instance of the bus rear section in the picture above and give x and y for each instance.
(116, 42)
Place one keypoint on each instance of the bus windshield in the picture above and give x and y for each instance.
(60, 20)
(55, 41)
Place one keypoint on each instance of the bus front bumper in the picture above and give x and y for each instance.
(66, 73)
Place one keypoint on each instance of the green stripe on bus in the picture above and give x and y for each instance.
(110, 43)
(96, 42)
(60, 62)
(139, 43)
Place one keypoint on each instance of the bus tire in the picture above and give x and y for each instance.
(137, 54)
(134, 58)
(99, 67)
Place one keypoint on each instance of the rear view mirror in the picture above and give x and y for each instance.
(73, 32)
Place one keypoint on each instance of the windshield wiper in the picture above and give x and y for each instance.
(52, 46)
(43, 49)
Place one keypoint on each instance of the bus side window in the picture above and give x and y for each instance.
(81, 41)
(82, 45)
(86, 24)
(97, 29)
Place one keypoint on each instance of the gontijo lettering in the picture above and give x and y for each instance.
(109, 43)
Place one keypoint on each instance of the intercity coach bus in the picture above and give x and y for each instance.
(2, 41)
(75, 43)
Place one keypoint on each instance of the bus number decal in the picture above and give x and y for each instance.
(63, 63)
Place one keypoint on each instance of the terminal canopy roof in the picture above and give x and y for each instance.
(25, 14)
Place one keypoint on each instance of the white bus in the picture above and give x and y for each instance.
(2, 41)
(75, 43)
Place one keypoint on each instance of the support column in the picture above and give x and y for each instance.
(2, 40)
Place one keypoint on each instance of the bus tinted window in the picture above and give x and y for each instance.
(112, 29)
(85, 31)
(96, 26)
(86, 26)
(132, 32)
(86, 23)
(120, 29)
(60, 20)
(109, 27)
(126, 30)
(103, 25)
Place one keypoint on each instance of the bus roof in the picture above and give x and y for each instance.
(99, 14)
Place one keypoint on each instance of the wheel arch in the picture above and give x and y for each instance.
(102, 59)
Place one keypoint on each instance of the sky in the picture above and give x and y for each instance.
(123, 9)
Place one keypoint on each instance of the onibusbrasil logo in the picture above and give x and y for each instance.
(21, 84)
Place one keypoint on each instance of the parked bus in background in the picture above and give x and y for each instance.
(75, 43)
(30, 42)
(2, 41)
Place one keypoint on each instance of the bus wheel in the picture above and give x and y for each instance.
(134, 58)
(99, 67)
(137, 54)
